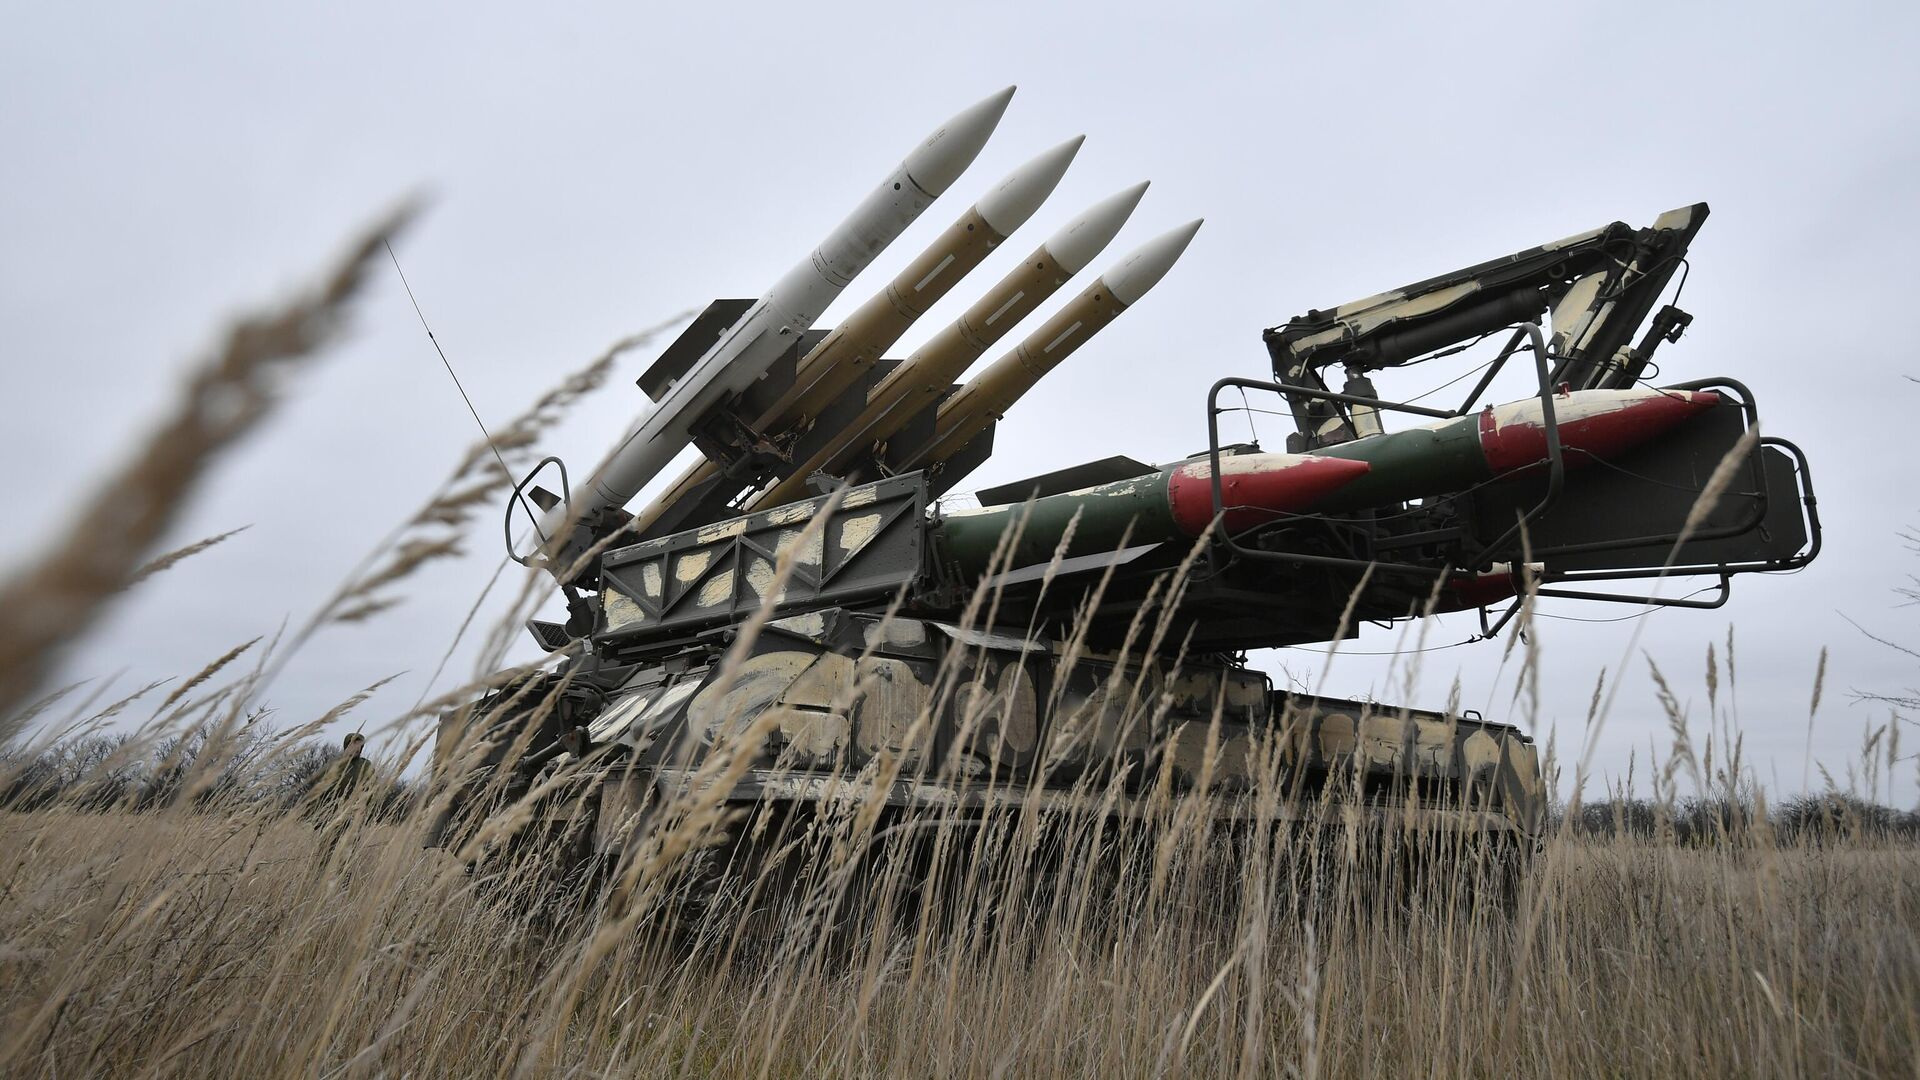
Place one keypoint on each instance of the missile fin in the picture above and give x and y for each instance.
(1104, 471)
(701, 335)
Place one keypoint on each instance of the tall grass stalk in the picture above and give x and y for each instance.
(205, 938)
(1098, 923)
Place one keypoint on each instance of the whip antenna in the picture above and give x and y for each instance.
(475, 413)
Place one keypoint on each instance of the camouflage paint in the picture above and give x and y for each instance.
(841, 688)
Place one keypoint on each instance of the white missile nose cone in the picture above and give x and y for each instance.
(935, 164)
(1013, 200)
(1143, 269)
(1086, 236)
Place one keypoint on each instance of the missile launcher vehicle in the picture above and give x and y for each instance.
(803, 617)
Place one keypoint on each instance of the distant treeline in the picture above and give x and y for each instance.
(255, 770)
(1698, 822)
(116, 772)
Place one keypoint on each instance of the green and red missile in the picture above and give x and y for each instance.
(1503, 441)
(1174, 503)
(1506, 441)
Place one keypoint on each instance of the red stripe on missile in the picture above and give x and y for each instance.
(1255, 488)
(1593, 424)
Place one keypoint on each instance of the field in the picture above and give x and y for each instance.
(189, 919)
(189, 944)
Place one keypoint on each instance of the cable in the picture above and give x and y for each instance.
(1382, 652)
(1592, 459)
(1449, 351)
(1450, 382)
(1576, 618)
(1252, 409)
(1686, 268)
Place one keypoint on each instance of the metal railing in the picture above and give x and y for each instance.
(1556, 463)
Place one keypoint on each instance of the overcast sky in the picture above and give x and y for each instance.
(597, 171)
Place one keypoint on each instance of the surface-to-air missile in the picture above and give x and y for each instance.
(984, 399)
(1507, 440)
(852, 348)
(925, 376)
(1167, 505)
(768, 327)
(875, 625)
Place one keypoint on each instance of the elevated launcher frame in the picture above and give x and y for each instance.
(1298, 578)
(1619, 522)
(747, 456)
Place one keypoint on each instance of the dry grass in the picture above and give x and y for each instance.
(215, 940)
(55, 597)
(197, 945)
(211, 937)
